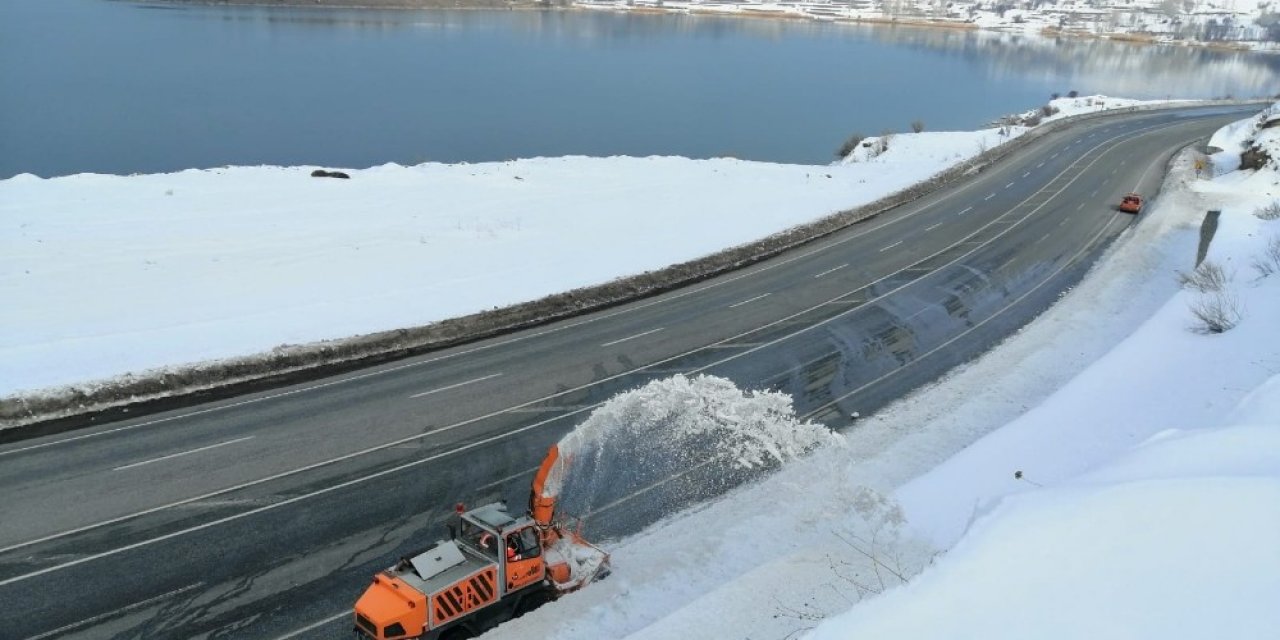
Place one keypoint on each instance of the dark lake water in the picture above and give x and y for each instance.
(119, 87)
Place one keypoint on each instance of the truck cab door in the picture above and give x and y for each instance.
(525, 565)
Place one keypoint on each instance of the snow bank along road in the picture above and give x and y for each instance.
(265, 515)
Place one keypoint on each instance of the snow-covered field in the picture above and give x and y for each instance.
(108, 275)
(1108, 472)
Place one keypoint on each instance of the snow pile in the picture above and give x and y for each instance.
(1260, 134)
(892, 151)
(673, 442)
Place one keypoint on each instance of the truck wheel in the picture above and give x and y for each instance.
(532, 601)
(457, 633)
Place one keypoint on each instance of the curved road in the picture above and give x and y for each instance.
(264, 516)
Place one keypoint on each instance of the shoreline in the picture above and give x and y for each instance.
(748, 13)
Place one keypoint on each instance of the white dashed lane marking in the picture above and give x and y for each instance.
(455, 386)
(739, 304)
(183, 453)
(638, 335)
(831, 270)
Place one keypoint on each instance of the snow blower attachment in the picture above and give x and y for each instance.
(494, 567)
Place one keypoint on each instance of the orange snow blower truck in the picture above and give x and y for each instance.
(494, 567)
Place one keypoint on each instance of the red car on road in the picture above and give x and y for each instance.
(1131, 203)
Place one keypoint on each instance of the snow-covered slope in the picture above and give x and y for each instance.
(1177, 539)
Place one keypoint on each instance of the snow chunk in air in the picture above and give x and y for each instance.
(675, 442)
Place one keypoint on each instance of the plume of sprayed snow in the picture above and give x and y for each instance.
(674, 442)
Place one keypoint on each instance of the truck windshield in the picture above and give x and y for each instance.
(479, 539)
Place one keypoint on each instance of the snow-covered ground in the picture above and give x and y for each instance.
(108, 275)
(1110, 471)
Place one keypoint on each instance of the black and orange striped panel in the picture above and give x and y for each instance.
(466, 595)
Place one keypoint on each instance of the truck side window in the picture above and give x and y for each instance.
(529, 547)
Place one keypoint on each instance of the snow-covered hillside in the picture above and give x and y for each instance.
(1243, 23)
(1110, 471)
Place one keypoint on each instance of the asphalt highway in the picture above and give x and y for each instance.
(264, 516)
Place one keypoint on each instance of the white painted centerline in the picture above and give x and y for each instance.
(1026, 174)
(183, 453)
(965, 210)
(1053, 156)
(890, 246)
(990, 197)
(1040, 165)
(638, 335)
(1008, 185)
(832, 270)
(1093, 193)
(933, 226)
(1079, 206)
(455, 386)
(739, 304)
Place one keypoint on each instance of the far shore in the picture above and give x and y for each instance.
(921, 22)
